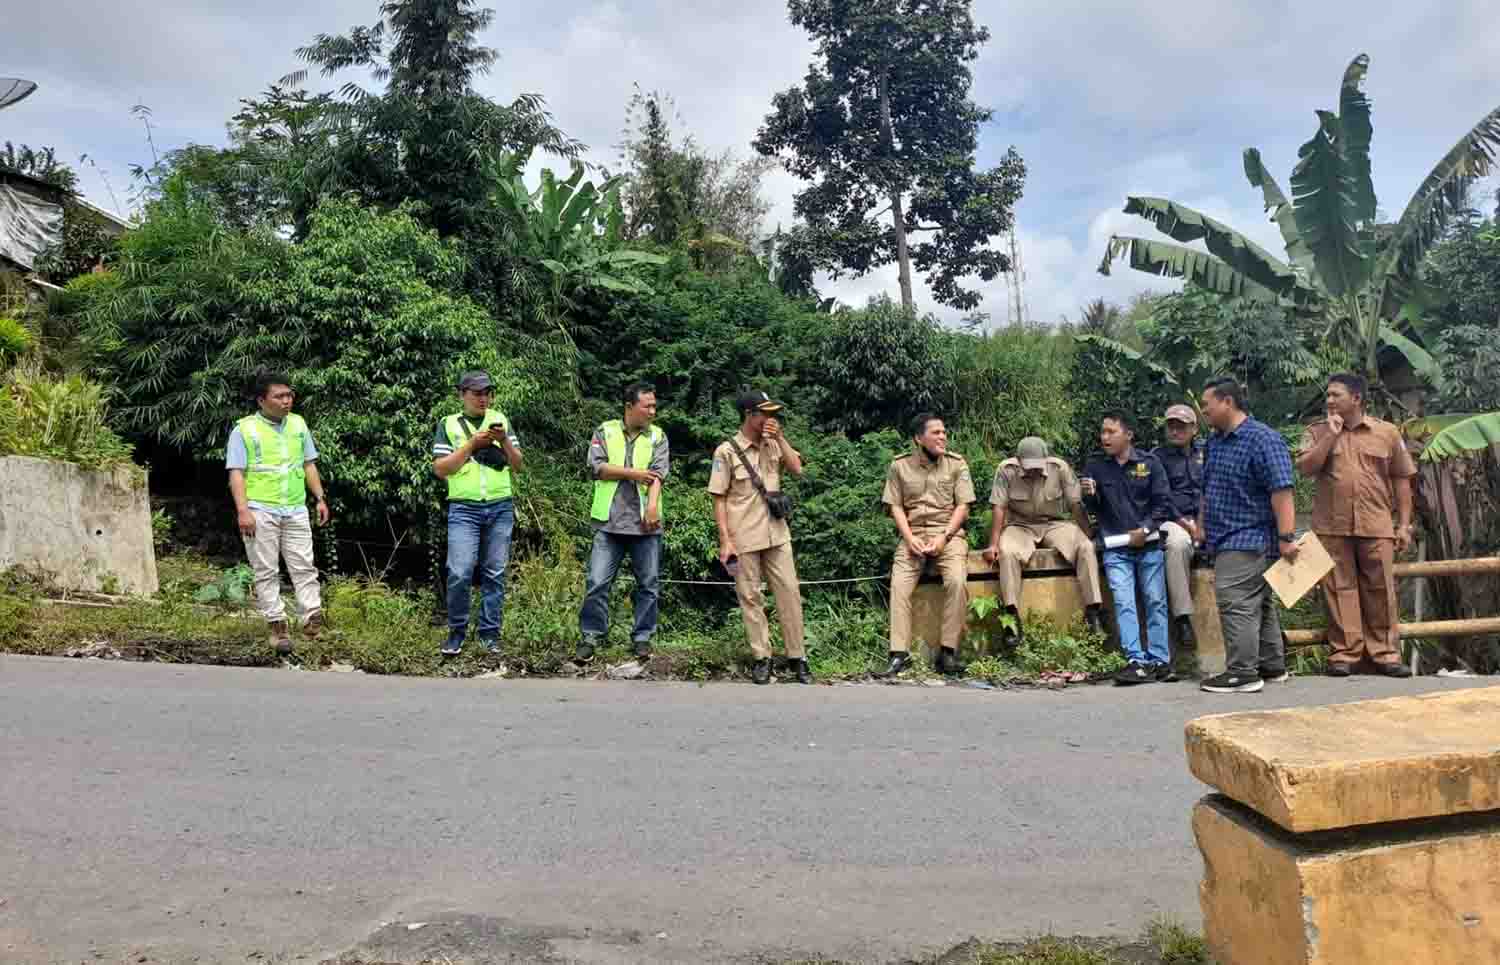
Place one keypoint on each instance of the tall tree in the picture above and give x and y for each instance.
(428, 136)
(40, 163)
(883, 124)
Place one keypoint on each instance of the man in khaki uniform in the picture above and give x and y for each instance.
(753, 544)
(1363, 472)
(928, 492)
(1033, 495)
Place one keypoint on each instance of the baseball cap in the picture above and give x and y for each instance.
(475, 380)
(757, 401)
(1032, 451)
(1182, 413)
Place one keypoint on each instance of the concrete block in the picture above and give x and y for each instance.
(1425, 893)
(1372, 762)
(80, 530)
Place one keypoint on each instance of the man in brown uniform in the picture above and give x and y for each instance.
(753, 544)
(928, 492)
(1033, 495)
(1362, 469)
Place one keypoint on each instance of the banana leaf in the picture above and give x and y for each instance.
(1421, 360)
(1181, 223)
(1432, 208)
(1471, 435)
(1354, 120)
(1177, 261)
(1324, 199)
(1125, 351)
(1280, 210)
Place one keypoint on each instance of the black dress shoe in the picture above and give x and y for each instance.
(1339, 670)
(1398, 669)
(947, 662)
(584, 653)
(799, 667)
(1093, 618)
(761, 671)
(900, 660)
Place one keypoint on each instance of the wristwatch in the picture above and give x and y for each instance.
(1287, 537)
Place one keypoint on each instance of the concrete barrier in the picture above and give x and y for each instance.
(1049, 587)
(76, 529)
(1356, 834)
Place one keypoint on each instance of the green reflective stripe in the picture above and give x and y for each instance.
(473, 482)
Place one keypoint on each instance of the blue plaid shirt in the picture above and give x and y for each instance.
(1243, 468)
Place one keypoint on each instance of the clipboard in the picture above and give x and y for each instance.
(1291, 581)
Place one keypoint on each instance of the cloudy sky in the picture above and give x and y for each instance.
(1102, 100)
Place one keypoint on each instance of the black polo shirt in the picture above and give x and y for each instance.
(1184, 477)
(1129, 496)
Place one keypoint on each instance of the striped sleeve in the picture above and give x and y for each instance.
(440, 444)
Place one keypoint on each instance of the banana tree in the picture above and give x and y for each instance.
(1357, 278)
(568, 230)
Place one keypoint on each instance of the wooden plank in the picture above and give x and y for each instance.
(1483, 564)
(1431, 628)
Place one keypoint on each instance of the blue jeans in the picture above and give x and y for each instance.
(604, 565)
(1125, 569)
(478, 535)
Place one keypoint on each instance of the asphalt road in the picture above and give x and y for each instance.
(156, 813)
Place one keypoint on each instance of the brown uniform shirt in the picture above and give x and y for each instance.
(1035, 500)
(928, 491)
(1355, 495)
(750, 523)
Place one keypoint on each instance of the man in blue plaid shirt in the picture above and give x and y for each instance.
(1248, 521)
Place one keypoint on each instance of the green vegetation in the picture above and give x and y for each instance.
(373, 243)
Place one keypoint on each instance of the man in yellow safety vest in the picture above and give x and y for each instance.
(477, 452)
(272, 465)
(629, 460)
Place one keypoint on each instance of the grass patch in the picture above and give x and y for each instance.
(1175, 944)
(1047, 647)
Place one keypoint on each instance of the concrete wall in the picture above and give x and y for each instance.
(80, 530)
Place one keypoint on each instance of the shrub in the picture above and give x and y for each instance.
(61, 418)
(15, 340)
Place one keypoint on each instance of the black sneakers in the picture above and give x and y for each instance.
(1163, 673)
(1134, 673)
(1233, 682)
(585, 651)
(643, 649)
(760, 672)
(1274, 675)
(799, 667)
(900, 660)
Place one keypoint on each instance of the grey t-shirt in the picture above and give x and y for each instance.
(625, 511)
(235, 457)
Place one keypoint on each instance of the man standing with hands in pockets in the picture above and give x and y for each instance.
(754, 541)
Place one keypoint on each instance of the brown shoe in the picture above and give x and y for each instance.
(280, 638)
(313, 625)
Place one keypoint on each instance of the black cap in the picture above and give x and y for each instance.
(756, 402)
(475, 380)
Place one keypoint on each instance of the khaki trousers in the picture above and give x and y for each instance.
(1179, 550)
(1018, 544)
(287, 538)
(776, 566)
(906, 571)
(1361, 595)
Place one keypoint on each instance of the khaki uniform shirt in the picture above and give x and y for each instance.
(928, 491)
(1038, 500)
(1355, 495)
(750, 524)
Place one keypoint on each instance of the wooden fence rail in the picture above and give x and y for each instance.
(1428, 628)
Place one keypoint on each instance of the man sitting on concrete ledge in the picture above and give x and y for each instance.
(1033, 495)
(1182, 458)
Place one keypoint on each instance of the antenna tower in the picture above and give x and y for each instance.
(1015, 282)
